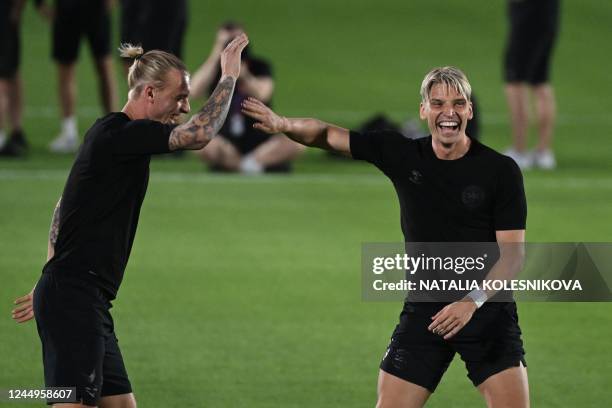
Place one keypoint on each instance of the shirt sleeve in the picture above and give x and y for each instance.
(142, 137)
(510, 201)
(381, 148)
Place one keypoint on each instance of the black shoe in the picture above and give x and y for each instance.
(14, 148)
(19, 139)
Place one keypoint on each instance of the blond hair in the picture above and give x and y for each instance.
(149, 67)
(450, 77)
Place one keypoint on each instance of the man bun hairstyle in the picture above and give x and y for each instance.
(149, 67)
(451, 77)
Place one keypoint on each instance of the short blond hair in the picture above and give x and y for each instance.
(451, 77)
(149, 67)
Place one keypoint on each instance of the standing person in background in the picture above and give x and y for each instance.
(533, 31)
(154, 24)
(72, 20)
(11, 88)
(240, 147)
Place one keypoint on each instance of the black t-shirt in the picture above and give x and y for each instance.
(102, 199)
(463, 200)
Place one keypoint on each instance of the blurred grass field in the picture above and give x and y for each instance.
(245, 292)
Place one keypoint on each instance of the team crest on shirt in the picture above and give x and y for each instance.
(415, 177)
(473, 196)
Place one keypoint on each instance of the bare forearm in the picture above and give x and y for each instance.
(54, 230)
(203, 77)
(204, 125)
(307, 131)
(316, 133)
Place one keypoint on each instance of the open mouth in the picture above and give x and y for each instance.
(449, 125)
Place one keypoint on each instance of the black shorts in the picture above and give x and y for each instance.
(156, 25)
(533, 31)
(75, 19)
(489, 343)
(9, 48)
(79, 345)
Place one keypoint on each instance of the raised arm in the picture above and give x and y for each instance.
(204, 125)
(309, 132)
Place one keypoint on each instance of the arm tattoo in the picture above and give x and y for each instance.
(205, 124)
(54, 230)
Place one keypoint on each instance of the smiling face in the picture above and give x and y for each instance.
(166, 104)
(447, 112)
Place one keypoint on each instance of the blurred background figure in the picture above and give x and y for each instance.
(72, 20)
(533, 31)
(240, 147)
(154, 25)
(13, 142)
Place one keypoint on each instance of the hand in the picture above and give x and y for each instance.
(230, 57)
(452, 318)
(268, 121)
(25, 308)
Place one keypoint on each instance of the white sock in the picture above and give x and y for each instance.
(249, 165)
(69, 127)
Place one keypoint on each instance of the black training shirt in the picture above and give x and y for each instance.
(102, 199)
(463, 200)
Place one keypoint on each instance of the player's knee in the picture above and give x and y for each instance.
(392, 401)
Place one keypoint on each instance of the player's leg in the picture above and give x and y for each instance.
(66, 39)
(69, 327)
(15, 97)
(99, 34)
(220, 154)
(517, 65)
(276, 150)
(394, 392)
(492, 349)
(517, 96)
(106, 82)
(545, 103)
(4, 86)
(67, 140)
(507, 389)
(118, 401)
(546, 109)
(415, 360)
(116, 388)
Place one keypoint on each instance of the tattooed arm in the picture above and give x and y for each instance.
(204, 125)
(54, 230)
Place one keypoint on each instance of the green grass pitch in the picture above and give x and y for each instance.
(245, 292)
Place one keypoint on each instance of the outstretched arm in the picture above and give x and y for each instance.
(204, 125)
(24, 309)
(309, 132)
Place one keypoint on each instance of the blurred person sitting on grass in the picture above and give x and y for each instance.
(95, 221)
(240, 147)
